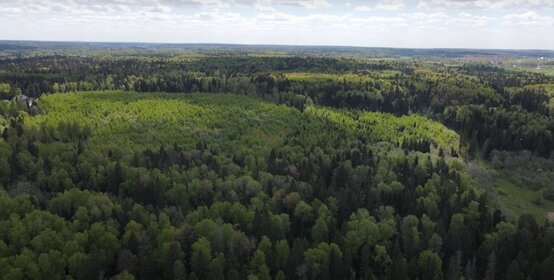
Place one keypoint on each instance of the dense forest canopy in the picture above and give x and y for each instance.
(130, 161)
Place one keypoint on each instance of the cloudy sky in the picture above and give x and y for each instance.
(521, 24)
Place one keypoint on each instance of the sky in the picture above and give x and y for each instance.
(505, 24)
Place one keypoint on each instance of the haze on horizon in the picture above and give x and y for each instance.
(503, 24)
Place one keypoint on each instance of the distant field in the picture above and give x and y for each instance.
(548, 72)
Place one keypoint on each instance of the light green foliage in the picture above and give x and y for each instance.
(133, 119)
(201, 256)
(320, 231)
(430, 265)
(318, 257)
(4, 91)
(124, 276)
(222, 121)
(377, 127)
(350, 78)
(363, 229)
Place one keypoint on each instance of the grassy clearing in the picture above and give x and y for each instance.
(515, 201)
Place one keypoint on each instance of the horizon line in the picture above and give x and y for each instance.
(270, 45)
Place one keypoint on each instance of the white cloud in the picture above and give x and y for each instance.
(363, 8)
(311, 4)
(523, 4)
(315, 4)
(454, 4)
(430, 18)
(529, 19)
(395, 23)
(485, 4)
(470, 20)
(390, 5)
(383, 5)
(107, 6)
(440, 19)
(10, 10)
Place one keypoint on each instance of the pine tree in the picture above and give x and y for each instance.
(491, 267)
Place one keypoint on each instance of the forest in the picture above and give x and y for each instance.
(222, 162)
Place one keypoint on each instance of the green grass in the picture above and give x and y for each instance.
(515, 201)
